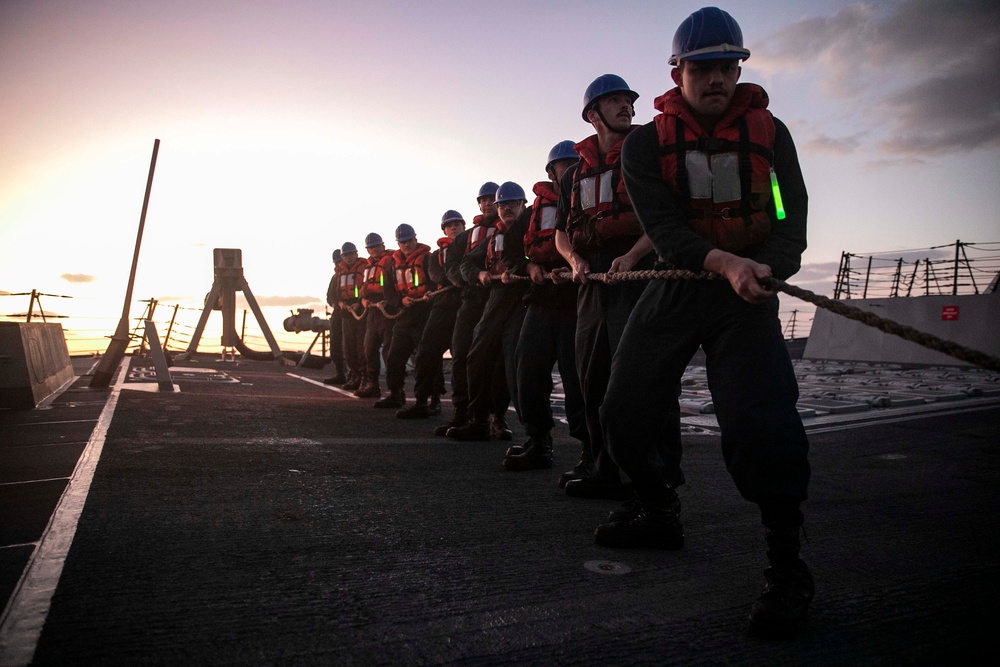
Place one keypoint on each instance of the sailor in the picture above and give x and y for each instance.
(474, 297)
(549, 329)
(378, 290)
(352, 314)
(494, 341)
(336, 330)
(413, 283)
(702, 178)
(436, 339)
(597, 231)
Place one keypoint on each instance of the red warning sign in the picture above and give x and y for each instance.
(949, 313)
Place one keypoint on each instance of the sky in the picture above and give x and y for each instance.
(289, 127)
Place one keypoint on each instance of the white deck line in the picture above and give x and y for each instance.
(23, 619)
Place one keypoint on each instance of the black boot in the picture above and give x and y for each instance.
(352, 383)
(499, 429)
(537, 455)
(632, 507)
(788, 588)
(461, 418)
(581, 469)
(416, 411)
(435, 407)
(369, 389)
(337, 379)
(395, 399)
(650, 529)
(474, 430)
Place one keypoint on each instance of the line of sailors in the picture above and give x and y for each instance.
(704, 177)
(487, 293)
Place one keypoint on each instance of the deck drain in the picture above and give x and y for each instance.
(893, 457)
(607, 567)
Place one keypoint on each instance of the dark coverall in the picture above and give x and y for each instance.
(548, 337)
(491, 357)
(336, 326)
(353, 328)
(406, 333)
(474, 298)
(378, 330)
(749, 371)
(438, 332)
(602, 311)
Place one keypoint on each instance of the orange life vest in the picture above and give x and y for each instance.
(599, 205)
(540, 239)
(724, 178)
(350, 279)
(480, 232)
(411, 273)
(375, 276)
(442, 255)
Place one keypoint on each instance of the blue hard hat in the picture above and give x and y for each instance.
(605, 85)
(450, 216)
(336, 255)
(564, 150)
(709, 34)
(404, 233)
(373, 240)
(488, 189)
(510, 191)
(348, 247)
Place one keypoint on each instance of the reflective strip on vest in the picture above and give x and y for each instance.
(548, 220)
(715, 176)
(479, 234)
(596, 191)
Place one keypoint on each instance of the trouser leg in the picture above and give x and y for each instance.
(566, 356)
(512, 325)
(434, 343)
(643, 386)
(406, 336)
(593, 356)
(485, 358)
(465, 324)
(536, 353)
(354, 352)
(754, 390)
(337, 340)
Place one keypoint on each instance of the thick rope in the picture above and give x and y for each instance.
(951, 348)
(357, 310)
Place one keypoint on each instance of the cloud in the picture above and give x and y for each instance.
(77, 278)
(923, 71)
(290, 301)
(834, 145)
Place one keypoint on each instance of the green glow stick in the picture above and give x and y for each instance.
(416, 279)
(355, 291)
(779, 208)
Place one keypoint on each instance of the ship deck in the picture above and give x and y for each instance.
(256, 516)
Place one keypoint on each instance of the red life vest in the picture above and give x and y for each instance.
(375, 276)
(494, 251)
(350, 279)
(442, 255)
(540, 239)
(724, 178)
(481, 232)
(599, 205)
(411, 273)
